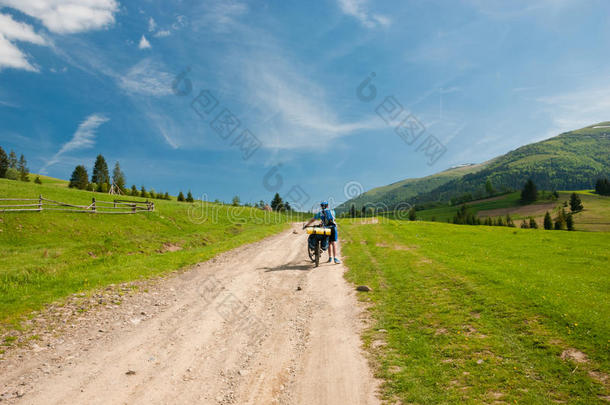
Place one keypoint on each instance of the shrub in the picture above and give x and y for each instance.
(533, 224)
(37, 180)
(12, 174)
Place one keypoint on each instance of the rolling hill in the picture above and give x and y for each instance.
(570, 161)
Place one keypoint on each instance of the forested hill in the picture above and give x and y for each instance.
(570, 161)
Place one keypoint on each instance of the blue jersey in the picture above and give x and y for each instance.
(327, 216)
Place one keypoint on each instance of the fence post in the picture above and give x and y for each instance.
(93, 204)
(133, 207)
(39, 202)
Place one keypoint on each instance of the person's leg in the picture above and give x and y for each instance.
(332, 250)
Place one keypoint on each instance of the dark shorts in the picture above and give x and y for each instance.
(333, 234)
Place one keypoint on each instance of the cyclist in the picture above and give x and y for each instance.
(327, 216)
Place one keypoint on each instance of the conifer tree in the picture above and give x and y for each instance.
(529, 194)
(525, 224)
(22, 166)
(118, 177)
(79, 178)
(166, 196)
(575, 203)
(3, 163)
(143, 192)
(533, 224)
(100, 173)
(412, 214)
(180, 196)
(37, 180)
(570, 222)
(134, 190)
(12, 160)
(189, 197)
(277, 204)
(548, 222)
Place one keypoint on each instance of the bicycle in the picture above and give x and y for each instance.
(317, 242)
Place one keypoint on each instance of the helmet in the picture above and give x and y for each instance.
(324, 204)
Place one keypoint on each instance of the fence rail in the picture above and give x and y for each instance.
(96, 207)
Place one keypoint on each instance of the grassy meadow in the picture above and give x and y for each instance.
(594, 217)
(49, 255)
(476, 314)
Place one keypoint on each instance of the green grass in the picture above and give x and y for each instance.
(479, 314)
(49, 255)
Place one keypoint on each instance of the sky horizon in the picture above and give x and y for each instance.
(315, 101)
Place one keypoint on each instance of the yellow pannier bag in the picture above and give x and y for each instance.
(316, 230)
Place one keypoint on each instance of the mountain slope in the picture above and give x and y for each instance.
(570, 161)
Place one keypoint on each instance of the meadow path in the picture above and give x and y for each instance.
(256, 325)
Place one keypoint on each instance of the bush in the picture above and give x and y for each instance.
(12, 174)
(533, 224)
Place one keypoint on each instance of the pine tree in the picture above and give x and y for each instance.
(134, 190)
(500, 222)
(143, 192)
(533, 224)
(79, 178)
(352, 211)
(100, 172)
(189, 197)
(560, 221)
(118, 177)
(12, 160)
(529, 194)
(236, 201)
(575, 203)
(525, 224)
(277, 204)
(570, 222)
(22, 166)
(37, 180)
(602, 186)
(509, 221)
(363, 212)
(3, 163)
(287, 206)
(166, 196)
(180, 196)
(548, 222)
(152, 194)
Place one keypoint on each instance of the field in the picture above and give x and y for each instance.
(49, 255)
(594, 217)
(475, 314)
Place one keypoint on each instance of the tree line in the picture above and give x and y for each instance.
(602, 186)
(14, 169)
(102, 182)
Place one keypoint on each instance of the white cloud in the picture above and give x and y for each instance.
(11, 30)
(68, 16)
(295, 110)
(162, 33)
(358, 9)
(152, 25)
(146, 78)
(83, 138)
(576, 109)
(144, 44)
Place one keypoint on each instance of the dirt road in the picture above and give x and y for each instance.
(257, 325)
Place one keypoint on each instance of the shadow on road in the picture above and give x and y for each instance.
(285, 267)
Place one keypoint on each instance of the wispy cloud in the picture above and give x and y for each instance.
(83, 138)
(576, 109)
(359, 10)
(146, 78)
(144, 44)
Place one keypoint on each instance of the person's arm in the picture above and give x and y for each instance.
(307, 224)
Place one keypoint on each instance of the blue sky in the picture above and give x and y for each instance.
(78, 78)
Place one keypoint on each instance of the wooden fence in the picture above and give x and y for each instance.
(96, 207)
